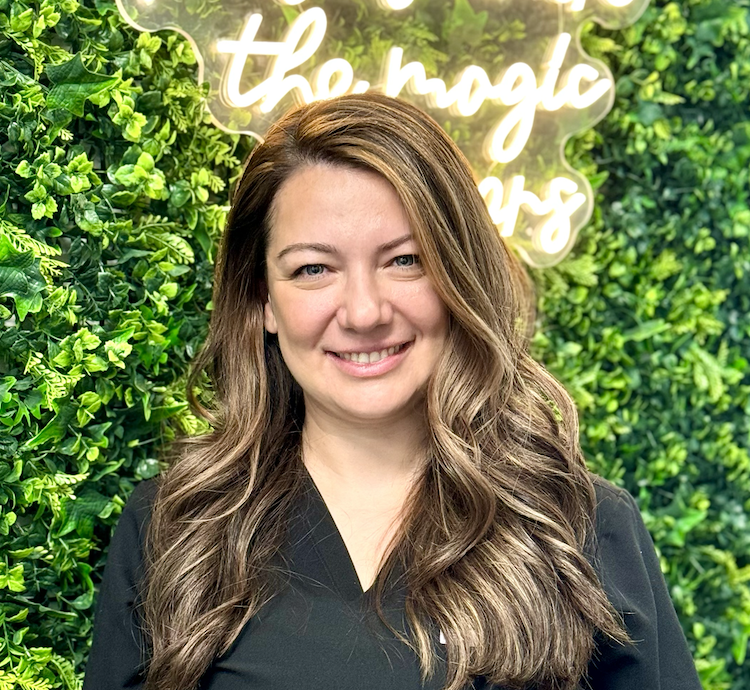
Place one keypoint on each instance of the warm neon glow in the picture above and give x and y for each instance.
(554, 234)
(573, 79)
(397, 4)
(556, 52)
(322, 78)
(260, 70)
(287, 54)
(505, 202)
(517, 86)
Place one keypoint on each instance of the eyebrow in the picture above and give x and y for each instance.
(330, 249)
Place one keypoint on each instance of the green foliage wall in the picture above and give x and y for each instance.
(113, 193)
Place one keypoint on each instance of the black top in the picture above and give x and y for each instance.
(318, 633)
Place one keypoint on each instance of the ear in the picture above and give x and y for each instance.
(269, 319)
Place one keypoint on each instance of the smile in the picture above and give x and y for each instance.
(370, 357)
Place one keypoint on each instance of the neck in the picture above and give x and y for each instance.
(349, 462)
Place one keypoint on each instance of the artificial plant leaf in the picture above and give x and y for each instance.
(463, 26)
(73, 84)
(20, 277)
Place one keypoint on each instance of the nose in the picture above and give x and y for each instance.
(364, 304)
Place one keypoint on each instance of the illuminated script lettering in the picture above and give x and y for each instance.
(511, 109)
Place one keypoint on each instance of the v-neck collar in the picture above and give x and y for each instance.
(318, 547)
(320, 561)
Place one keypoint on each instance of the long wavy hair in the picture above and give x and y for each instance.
(497, 557)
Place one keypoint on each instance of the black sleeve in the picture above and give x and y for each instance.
(118, 651)
(627, 564)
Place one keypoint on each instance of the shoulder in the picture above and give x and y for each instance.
(138, 507)
(125, 552)
(615, 507)
(622, 551)
(620, 539)
(142, 498)
(119, 646)
(609, 496)
(129, 534)
(628, 567)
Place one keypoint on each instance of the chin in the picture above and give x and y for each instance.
(370, 410)
(374, 415)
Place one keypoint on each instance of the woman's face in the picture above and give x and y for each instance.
(359, 324)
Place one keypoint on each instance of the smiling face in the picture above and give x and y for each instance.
(359, 324)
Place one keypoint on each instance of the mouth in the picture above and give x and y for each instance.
(371, 357)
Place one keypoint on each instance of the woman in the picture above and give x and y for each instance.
(394, 494)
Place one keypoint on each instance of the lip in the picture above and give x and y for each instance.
(371, 368)
(374, 347)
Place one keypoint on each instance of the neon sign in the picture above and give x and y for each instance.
(507, 78)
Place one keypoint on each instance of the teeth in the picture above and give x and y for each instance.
(370, 357)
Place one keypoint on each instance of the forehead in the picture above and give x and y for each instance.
(336, 204)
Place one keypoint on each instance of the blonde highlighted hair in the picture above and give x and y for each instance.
(496, 559)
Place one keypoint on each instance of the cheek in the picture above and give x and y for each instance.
(302, 317)
(428, 312)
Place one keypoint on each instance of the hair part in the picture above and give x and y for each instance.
(505, 503)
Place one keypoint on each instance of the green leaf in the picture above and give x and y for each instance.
(180, 193)
(55, 430)
(26, 305)
(24, 169)
(20, 277)
(148, 468)
(12, 578)
(78, 513)
(740, 645)
(646, 330)
(463, 27)
(73, 84)
(85, 215)
(21, 18)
